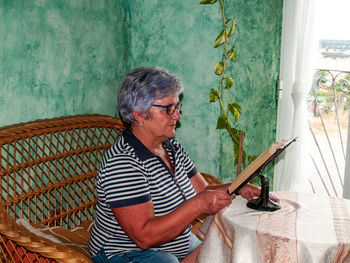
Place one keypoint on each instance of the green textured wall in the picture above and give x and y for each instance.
(62, 57)
(179, 36)
(59, 57)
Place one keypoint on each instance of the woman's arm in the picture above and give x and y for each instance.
(147, 230)
(200, 184)
(248, 191)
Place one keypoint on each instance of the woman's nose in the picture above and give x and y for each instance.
(176, 115)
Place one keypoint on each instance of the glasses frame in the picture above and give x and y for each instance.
(167, 107)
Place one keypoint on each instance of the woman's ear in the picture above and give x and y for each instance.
(139, 118)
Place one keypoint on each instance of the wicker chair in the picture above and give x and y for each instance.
(47, 177)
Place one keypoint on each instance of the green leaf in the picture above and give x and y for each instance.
(218, 68)
(208, 2)
(236, 150)
(235, 110)
(232, 55)
(221, 124)
(220, 39)
(213, 95)
(252, 158)
(235, 133)
(255, 181)
(233, 28)
(229, 82)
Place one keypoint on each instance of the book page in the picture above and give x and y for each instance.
(258, 162)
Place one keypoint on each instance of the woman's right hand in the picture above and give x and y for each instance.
(211, 201)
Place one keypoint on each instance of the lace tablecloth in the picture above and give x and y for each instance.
(308, 228)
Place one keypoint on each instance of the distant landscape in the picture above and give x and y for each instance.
(334, 54)
(335, 48)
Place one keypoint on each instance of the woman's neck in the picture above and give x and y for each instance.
(155, 145)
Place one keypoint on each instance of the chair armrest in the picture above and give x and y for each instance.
(17, 244)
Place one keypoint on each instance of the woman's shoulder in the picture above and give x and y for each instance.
(175, 143)
(120, 151)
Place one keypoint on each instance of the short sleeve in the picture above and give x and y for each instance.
(184, 158)
(124, 182)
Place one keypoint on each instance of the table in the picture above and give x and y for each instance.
(308, 228)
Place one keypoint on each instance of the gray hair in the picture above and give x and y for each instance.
(141, 86)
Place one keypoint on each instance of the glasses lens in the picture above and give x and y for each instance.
(171, 108)
(178, 107)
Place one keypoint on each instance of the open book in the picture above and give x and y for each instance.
(258, 165)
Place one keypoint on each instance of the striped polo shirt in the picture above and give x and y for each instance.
(131, 174)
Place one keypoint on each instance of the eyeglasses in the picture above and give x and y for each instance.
(170, 109)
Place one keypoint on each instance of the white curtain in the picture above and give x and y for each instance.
(346, 191)
(297, 53)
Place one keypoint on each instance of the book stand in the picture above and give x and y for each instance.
(264, 203)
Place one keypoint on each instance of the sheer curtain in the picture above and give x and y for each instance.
(346, 192)
(296, 72)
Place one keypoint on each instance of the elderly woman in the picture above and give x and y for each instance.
(148, 189)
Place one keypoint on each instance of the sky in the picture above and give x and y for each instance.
(333, 19)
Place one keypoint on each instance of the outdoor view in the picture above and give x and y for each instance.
(329, 98)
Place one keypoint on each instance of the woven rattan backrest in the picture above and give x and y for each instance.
(48, 167)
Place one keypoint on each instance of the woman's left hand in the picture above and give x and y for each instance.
(250, 191)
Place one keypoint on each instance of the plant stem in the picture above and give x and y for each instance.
(228, 125)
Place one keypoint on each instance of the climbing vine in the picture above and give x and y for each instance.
(231, 111)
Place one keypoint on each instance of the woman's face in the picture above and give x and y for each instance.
(160, 124)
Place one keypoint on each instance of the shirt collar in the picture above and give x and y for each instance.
(141, 150)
